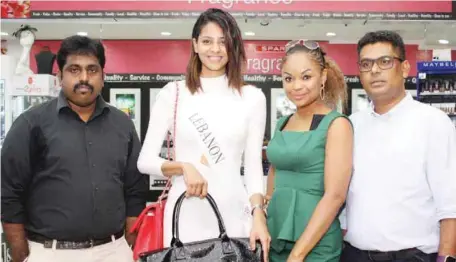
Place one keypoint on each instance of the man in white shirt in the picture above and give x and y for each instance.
(401, 205)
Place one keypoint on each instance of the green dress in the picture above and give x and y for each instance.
(299, 158)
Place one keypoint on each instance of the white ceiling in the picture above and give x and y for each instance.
(424, 33)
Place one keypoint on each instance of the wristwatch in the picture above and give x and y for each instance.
(260, 207)
(446, 259)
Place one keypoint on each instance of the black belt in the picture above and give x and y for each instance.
(387, 256)
(64, 244)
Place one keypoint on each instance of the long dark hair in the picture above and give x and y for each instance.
(234, 48)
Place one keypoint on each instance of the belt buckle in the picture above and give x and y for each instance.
(370, 257)
(379, 256)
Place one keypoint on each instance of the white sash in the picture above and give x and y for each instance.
(205, 133)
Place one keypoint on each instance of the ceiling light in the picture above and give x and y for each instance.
(330, 34)
(443, 41)
(165, 33)
(249, 33)
(4, 33)
(82, 33)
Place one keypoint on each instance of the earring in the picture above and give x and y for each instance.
(322, 92)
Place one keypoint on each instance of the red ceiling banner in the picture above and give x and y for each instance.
(287, 9)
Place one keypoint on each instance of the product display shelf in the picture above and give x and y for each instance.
(436, 85)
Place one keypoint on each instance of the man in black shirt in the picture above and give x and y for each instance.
(69, 176)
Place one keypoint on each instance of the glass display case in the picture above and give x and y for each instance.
(21, 93)
(29, 91)
(20, 104)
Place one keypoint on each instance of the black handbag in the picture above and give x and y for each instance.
(223, 248)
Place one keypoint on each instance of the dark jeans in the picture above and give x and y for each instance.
(352, 254)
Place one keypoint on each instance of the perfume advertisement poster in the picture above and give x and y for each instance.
(126, 103)
(280, 106)
(128, 100)
(359, 100)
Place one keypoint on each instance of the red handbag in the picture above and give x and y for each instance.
(149, 224)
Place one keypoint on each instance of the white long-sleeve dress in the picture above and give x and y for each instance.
(221, 125)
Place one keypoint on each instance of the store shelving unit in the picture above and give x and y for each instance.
(436, 85)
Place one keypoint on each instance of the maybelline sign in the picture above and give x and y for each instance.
(437, 65)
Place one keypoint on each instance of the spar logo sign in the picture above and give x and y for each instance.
(30, 86)
(270, 49)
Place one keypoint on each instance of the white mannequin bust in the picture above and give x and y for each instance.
(26, 37)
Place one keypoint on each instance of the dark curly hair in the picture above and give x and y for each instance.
(80, 45)
(383, 36)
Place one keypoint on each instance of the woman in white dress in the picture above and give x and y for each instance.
(219, 121)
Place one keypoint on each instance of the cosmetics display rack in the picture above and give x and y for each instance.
(436, 85)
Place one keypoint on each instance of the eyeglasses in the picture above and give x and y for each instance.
(383, 62)
(311, 45)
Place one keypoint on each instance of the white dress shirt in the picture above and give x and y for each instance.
(404, 179)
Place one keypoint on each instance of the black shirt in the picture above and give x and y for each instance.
(70, 180)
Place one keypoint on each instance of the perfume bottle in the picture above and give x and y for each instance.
(422, 87)
(441, 85)
(426, 87)
(447, 86)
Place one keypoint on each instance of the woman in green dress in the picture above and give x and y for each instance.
(311, 160)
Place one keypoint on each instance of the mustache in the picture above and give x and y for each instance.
(83, 83)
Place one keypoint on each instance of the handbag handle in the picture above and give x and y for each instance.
(175, 226)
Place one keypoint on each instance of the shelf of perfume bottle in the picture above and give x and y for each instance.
(438, 94)
(437, 98)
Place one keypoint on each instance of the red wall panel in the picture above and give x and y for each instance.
(170, 56)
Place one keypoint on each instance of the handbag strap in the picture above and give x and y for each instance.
(175, 224)
(168, 144)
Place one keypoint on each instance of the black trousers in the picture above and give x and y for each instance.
(353, 254)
